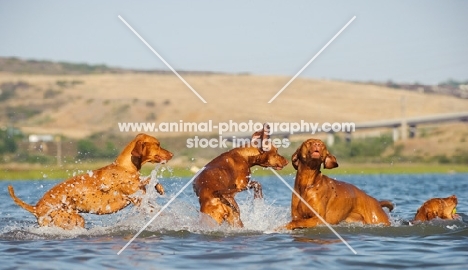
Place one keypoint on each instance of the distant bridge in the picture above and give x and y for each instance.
(412, 122)
(402, 128)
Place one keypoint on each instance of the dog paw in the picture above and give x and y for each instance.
(258, 195)
(257, 187)
(159, 188)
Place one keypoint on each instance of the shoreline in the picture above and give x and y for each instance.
(54, 172)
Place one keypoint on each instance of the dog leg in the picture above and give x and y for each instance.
(354, 218)
(136, 201)
(232, 210)
(303, 223)
(159, 188)
(232, 216)
(216, 209)
(226, 197)
(229, 201)
(63, 219)
(257, 187)
(235, 220)
(143, 184)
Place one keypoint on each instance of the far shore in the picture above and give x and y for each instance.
(54, 172)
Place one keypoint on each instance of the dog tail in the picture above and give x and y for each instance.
(19, 202)
(387, 204)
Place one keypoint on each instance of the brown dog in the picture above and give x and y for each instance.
(229, 173)
(102, 191)
(444, 208)
(334, 201)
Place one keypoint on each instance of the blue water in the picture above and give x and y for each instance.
(179, 239)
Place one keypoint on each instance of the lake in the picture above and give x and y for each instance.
(178, 239)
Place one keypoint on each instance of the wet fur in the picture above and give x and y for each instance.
(437, 208)
(228, 174)
(103, 191)
(335, 201)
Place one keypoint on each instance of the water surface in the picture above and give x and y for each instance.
(180, 239)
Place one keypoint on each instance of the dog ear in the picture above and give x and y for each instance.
(266, 131)
(330, 161)
(137, 149)
(256, 140)
(454, 199)
(261, 138)
(295, 159)
(266, 142)
(257, 136)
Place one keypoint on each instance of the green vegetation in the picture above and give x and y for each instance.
(453, 83)
(151, 117)
(16, 65)
(150, 103)
(373, 155)
(8, 141)
(65, 83)
(361, 147)
(51, 93)
(87, 149)
(20, 112)
(20, 66)
(106, 146)
(63, 172)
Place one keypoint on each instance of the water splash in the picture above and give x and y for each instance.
(148, 199)
(260, 215)
(183, 216)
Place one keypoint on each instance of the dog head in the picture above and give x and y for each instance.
(447, 207)
(268, 156)
(313, 153)
(450, 207)
(148, 149)
(443, 208)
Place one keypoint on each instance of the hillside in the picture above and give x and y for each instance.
(89, 105)
(20, 66)
(79, 105)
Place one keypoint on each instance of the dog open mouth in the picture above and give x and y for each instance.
(316, 154)
(158, 159)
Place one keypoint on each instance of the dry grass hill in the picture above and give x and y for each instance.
(79, 105)
(77, 101)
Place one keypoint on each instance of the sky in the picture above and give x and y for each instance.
(403, 41)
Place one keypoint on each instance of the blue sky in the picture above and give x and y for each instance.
(405, 41)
